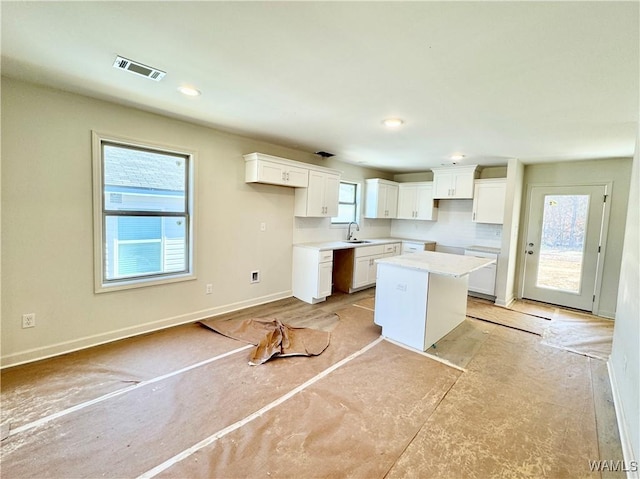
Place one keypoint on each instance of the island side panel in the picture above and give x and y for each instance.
(401, 304)
(446, 305)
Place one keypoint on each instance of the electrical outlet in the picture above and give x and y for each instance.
(255, 276)
(209, 289)
(263, 226)
(29, 320)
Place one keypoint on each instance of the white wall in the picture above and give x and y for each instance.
(615, 170)
(47, 243)
(624, 364)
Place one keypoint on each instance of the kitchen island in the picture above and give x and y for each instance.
(423, 296)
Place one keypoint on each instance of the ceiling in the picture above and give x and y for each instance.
(538, 81)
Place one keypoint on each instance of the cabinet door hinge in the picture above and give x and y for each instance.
(599, 247)
(594, 299)
(605, 198)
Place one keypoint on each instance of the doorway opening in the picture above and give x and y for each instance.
(564, 244)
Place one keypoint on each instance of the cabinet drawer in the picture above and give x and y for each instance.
(369, 250)
(391, 248)
(325, 256)
(409, 247)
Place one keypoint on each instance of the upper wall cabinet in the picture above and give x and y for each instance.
(381, 198)
(261, 168)
(488, 200)
(320, 198)
(454, 182)
(415, 201)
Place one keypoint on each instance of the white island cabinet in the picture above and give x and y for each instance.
(423, 296)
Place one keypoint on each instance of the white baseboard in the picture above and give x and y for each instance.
(606, 314)
(506, 303)
(65, 347)
(623, 425)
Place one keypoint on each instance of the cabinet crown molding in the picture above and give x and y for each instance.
(455, 168)
(291, 163)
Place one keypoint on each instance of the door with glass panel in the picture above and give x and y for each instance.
(563, 243)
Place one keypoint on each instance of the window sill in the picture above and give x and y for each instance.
(142, 283)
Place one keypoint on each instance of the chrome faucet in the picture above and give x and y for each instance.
(349, 232)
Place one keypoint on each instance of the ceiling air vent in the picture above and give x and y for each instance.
(138, 68)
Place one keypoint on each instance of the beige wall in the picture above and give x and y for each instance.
(624, 364)
(616, 171)
(47, 247)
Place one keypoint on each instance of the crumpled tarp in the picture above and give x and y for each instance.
(272, 338)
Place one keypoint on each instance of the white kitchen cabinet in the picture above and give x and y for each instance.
(365, 267)
(392, 249)
(483, 280)
(320, 198)
(381, 198)
(488, 200)
(454, 182)
(415, 201)
(312, 274)
(272, 170)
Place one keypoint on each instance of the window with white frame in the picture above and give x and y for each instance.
(347, 203)
(143, 214)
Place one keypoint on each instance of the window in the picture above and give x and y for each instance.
(347, 203)
(143, 214)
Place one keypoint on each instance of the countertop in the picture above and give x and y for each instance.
(483, 249)
(438, 263)
(332, 245)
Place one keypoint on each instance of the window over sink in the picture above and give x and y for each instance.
(348, 203)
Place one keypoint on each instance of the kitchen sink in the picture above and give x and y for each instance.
(356, 241)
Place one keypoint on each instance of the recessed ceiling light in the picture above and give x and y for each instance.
(392, 122)
(457, 157)
(189, 91)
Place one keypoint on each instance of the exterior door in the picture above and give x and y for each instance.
(563, 244)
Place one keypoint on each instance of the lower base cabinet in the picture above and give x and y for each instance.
(483, 280)
(312, 274)
(316, 273)
(356, 268)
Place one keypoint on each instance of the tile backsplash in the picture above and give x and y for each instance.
(453, 228)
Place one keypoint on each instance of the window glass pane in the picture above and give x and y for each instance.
(138, 258)
(346, 214)
(137, 246)
(347, 193)
(348, 203)
(562, 243)
(139, 228)
(140, 180)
